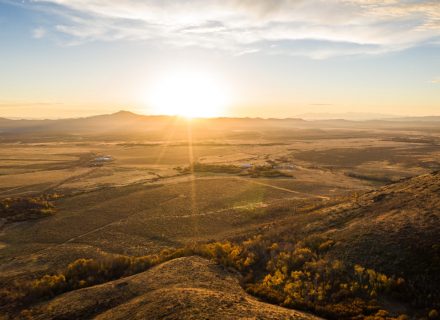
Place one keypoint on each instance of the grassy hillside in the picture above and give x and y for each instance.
(355, 257)
(373, 246)
(184, 288)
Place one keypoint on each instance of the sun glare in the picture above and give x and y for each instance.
(190, 95)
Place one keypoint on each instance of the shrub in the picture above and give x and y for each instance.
(300, 277)
(433, 314)
(289, 274)
(21, 209)
(267, 171)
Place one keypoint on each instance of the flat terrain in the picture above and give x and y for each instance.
(138, 203)
(139, 200)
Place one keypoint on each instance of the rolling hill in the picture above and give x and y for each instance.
(388, 235)
(183, 288)
(394, 230)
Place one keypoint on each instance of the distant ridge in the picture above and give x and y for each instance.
(352, 116)
(423, 118)
(129, 114)
(349, 116)
(126, 122)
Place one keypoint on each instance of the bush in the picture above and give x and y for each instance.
(83, 273)
(21, 209)
(285, 273)
(433, 314)
(267, 171)
(300, 277)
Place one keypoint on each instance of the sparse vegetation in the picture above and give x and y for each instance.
(374, 178)
(374, 247)
(22, 209)
(80, 274)
(295, 275)
(253, 171)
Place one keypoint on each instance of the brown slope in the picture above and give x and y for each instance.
(394, 230)
(399, 221)
(184, 288)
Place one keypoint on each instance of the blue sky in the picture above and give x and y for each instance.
(276, 58)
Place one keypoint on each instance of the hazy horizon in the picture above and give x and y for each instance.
(350, 116)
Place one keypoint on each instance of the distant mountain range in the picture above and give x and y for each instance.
(128, 122)
(349, 116)
(363, 116)
(354, 116)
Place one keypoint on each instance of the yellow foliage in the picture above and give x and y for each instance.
(433, 314)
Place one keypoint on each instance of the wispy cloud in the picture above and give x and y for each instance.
(436, 80)
(27, 104)
(314, 28)
(38, 33)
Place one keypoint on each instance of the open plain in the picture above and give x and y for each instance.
(142, 192)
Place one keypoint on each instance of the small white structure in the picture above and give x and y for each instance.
(247, 165)
(103, 159)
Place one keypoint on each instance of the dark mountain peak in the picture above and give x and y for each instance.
(125, 114)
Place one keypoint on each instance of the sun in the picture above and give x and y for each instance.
(189, 95)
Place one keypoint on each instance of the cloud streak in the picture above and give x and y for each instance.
(38, 33)
(313, 28)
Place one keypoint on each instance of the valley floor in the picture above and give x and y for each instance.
(155, 195)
